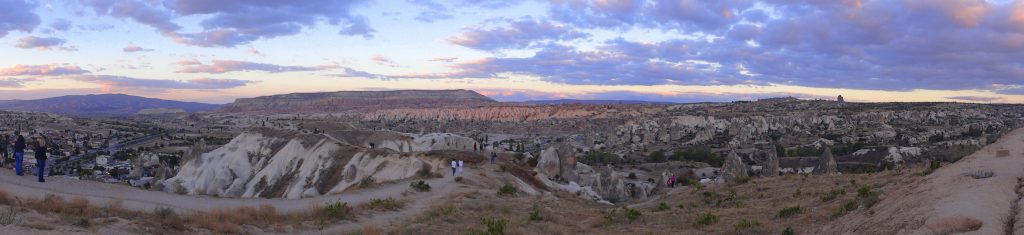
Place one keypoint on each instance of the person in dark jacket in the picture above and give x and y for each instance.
(19, 154)
(41, 158)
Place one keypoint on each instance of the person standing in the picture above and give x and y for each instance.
(460, 167)
(41, 158)
(494, 157)
(454, 165)
(19, 154)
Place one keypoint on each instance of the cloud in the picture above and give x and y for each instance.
(349, 72)
(135, 49)
(18, 15)
(518, 34)
(976, 98)
(41, 70)
(253, 51)
(43, 43)
(235, 22)
(223, 66)
(61, 24)
(381, 60)
(15, 82)
(443, 59)
(119, 82)
(142, 12)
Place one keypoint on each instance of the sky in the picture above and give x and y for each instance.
(671, 51)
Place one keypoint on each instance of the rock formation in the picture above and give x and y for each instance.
(733, 168)
(770, 165)
(826, 164)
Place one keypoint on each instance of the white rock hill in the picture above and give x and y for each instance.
(271, 163)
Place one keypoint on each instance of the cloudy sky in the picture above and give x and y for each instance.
(678, 50)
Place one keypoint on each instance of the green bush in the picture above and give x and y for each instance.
(386, 204)
(788, 231)
(702, 154)
(932, 166)
(421, 186)
(494, 226)
(632, 214)
(657, 156)
(337, 210)
(507, 190)
(832, 195)
(864, 191)
(662, 207)
(599, 157)
(789, 211)
(535, 213)
(705, 219)
(746, 224)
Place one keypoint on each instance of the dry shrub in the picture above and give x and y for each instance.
(115, 207)
(5, 198)
(955, 224)
(80, 206)
(218, 221)
(50, 203)
(371, 229)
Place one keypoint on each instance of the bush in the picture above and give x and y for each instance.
(843, 209)
(746, 224)
(599, 157)
(507, 190)
(535, 213)
(832, 195)
(337, 210)
(866, 197)
(163, 212)
(632, 214)
(702, 154)
(366, 182)
(387, 204)
(657, 156)
(932, 166)
(662, 207)
(788, 231)
(495, 226)
(421, 186)
(789, 211)
(705, 219)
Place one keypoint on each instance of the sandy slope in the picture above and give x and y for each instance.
(948, 200)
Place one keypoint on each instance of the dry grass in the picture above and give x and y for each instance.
(751, 208)
(371, 229)
(5, 198)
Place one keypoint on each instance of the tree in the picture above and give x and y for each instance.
(657, 156)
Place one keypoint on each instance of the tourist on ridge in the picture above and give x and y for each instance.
(19, 154)
(454, 165)
(460, 167)
(494, 157)
(672, 181)
(40, 150)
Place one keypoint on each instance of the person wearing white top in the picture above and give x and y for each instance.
(460, 167)
(454, 165)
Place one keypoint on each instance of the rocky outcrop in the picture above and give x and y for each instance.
(734, 168)
(770, 165)
(329, 102)
(558, 162)
(826, 164)
(271, 163)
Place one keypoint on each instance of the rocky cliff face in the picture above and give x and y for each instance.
(270, 163)
(331, 102)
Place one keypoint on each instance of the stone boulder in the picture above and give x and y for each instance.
(826, 164)
(558, 161)
(733, 168)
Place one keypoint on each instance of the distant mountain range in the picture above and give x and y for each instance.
(575, 101)
(102, 105)
(340, 101)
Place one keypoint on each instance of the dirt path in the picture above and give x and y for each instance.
(950, 200)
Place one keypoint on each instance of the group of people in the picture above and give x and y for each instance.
(17, 153)
(457, 166)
